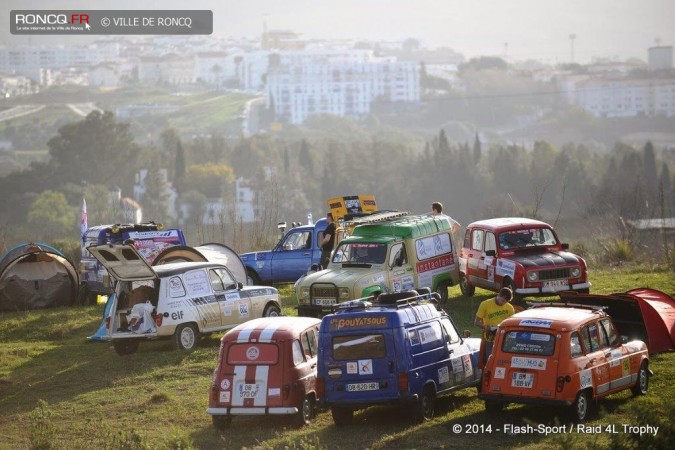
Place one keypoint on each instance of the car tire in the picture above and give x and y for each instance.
(580, 407)
(494, 406)
(221, 422)
(186, 337)
(125, 347)
(252, 278)
(464, 286)
(425, 407)
(342, 416)
(272, 311)
(305, 412)
(642, 384)
(442, 290)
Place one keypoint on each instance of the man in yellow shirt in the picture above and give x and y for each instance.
(490, 314)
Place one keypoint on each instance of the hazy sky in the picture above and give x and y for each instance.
(524, 29)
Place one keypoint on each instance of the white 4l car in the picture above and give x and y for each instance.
(178, 300)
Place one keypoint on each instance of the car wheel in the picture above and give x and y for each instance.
(272, 311)
(466, 288)
(125, 347)
(342, 416)
(186, 337)
(305, 412)
(442, 290)
(424, 410)
(221, 422)
(642, 384)
(252, 278)
(580, 407)
(494, 406)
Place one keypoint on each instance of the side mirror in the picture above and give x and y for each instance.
(490, 253)
(314, 267)
(624, 339)
(565, 245)
(467, 334)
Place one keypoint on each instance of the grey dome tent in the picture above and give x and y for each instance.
(35, 276)
(211, 252)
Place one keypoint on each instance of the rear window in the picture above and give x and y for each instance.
(249, 353)
(528, 343)
(359, 346)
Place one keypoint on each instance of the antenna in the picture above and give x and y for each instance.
(572, 38)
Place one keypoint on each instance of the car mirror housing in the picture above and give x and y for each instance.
(565, 245)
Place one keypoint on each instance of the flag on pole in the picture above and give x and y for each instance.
(83, 219)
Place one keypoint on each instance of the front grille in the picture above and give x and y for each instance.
(554, 274)
(324, 292)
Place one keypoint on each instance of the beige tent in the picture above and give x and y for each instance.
(36, 275)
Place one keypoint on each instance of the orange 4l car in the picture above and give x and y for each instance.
(562, 355)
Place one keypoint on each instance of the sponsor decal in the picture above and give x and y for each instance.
(358, 322)
(625, 367)
(540, 337)
(365, 367)
(243, 309)
(397, 285)
(227, 312)
(407, 283)
(491, 273)
(585, 379)
(225, 397)
(231, 296)
(225, 384)
(457, 365)
(443, 375)
(500, 372)
(176, 288)
(352, 368)
(541, 323)
(260, 264)
(197, 283)
(439, 262)
(414, 337)
(253, 353)
(518, 362)
(505, 268)
(468, 367)
(274, 392)
(378, 278)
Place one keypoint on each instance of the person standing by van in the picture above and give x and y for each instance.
(328, 241)
(437, 210)
(490, 314)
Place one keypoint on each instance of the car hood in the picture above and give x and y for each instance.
(346, 277)
(544, 259)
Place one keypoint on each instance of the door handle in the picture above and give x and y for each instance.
(313, 366)
(306, 254)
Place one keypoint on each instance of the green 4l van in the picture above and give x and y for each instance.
(386, 252)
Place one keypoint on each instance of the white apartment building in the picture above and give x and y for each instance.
(171, 69)
(660, 57)
(623, 98)
(29, 61)
(339, 82)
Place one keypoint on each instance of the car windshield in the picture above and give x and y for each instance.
(528, 343)
(360, 252)
(524, 238)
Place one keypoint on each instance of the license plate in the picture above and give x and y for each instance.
(360, 387)
(248, 390)
(324, 301)
(555, 283)
(522, 380)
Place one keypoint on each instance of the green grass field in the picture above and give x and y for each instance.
(57, 390)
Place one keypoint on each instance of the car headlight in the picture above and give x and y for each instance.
(532, 275)
(575, 272)
(344, 293)
(304, 293)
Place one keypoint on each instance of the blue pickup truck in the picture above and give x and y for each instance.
(290, 259)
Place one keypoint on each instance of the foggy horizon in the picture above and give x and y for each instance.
(519, 30)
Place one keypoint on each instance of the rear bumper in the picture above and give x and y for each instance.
(255, 411)
(312, 310)
(524, 400)
(403, 399)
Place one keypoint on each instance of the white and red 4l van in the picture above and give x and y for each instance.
(266, 366)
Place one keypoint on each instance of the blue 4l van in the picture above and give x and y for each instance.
(400, 350)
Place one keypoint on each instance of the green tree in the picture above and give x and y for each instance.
(50, 214)
(97, 149)
(477, 150)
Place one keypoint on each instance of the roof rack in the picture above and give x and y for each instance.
(375, 217)
(568, 305)
(352, 305)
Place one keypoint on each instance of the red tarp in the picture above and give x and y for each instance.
(643, 313)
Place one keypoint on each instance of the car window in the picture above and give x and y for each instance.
(604, 339)
(467, 238)
(221, 280)
(308, 341)
(593, 337)
(450, 330)
(298, 240)
(490, 243)
(586, 339)
(528, 343)
(575, 345)
(359, 346)
(612, 335)
(247, 353)
(477, 241)
(298, 356)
